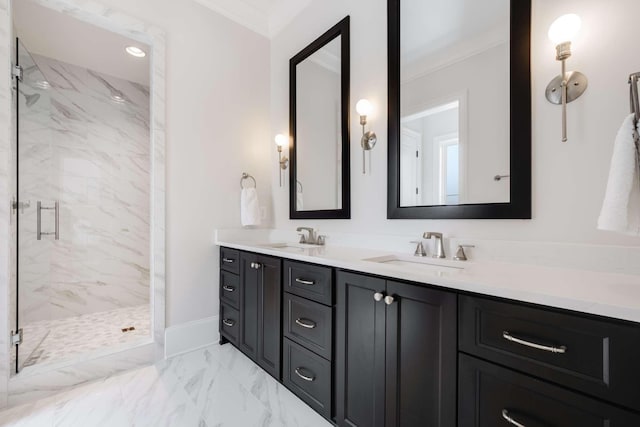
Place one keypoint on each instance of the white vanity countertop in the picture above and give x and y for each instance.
(605, 294)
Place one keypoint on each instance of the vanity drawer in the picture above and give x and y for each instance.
(308, 323)
(230, 288)
(230, 260)
(308, 376)
(490, 395)
(594, 356)
(309, 281)
(229, 319)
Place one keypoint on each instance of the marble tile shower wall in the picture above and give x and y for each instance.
(86, 143)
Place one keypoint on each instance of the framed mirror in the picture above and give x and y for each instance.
(459, 109)
(319, 127)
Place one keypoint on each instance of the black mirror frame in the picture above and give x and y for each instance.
(341, 29)
(519, 206)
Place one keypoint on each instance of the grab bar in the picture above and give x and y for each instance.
(56, 209)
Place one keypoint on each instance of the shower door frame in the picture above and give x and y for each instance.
(102, 16)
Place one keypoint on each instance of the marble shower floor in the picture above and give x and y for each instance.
(59, 341)
(213, 387)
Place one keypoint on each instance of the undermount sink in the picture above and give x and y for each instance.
(290, 247)
(431, 265)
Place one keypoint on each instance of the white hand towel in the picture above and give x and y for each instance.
(299, 201)
(249, 207)
(621, 207)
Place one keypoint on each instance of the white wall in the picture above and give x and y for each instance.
(568, 179)
(217, 101)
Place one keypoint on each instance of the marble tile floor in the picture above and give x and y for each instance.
(213, 387)
(62, 340)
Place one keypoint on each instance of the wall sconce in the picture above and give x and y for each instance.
(283, 161)
(568, 86)
(369, 139)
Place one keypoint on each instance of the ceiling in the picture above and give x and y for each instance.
(266, 17)
(39, 29)
(433, 26)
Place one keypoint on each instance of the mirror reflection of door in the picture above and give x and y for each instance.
(433, 154)
(411, 167)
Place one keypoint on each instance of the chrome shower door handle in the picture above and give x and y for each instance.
(57, 214)
(39, 220)
(56, 209)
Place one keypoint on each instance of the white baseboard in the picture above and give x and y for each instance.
(191, 336)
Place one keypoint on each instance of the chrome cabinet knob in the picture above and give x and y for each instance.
(389, 300)
(378, 296)
(256, 265)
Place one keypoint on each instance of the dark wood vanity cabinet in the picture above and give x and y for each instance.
(260, 310)
(396, 354)
(370, 352)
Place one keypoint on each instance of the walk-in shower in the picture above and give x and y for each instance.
(81, 224)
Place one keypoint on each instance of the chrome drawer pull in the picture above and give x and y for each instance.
(228, 322)
(306, 323)
(559, 350)
(305, 282)
(256, 265)
(304, 377)
(228, 288)
(378, 296)
(510, 420)
(228, 260)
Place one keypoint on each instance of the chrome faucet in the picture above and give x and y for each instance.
(312, 238)
(439, 243)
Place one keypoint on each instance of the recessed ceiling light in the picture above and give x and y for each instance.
(135, 51)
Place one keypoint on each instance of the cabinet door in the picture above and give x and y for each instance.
(269, 314)
(421, 357)
(491, 395)
(248, 307)
(360, 347)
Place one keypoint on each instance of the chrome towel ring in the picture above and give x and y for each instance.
(247, 176)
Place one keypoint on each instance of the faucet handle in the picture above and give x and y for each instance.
(460, 254)
(320, 240)
(419, 248)
(303, 239)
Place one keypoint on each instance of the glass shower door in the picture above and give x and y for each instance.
(83, 229)
(37, 210)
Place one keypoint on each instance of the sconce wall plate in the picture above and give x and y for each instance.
(577, 84)
(282, 140)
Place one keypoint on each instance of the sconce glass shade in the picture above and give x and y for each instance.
(281, 140)
(565, 28)
(364, 107)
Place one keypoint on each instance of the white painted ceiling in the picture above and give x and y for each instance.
(266, 17)
(432, 26)
(80, 43)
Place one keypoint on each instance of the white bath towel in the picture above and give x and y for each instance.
(249, 207)
(621, 207)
